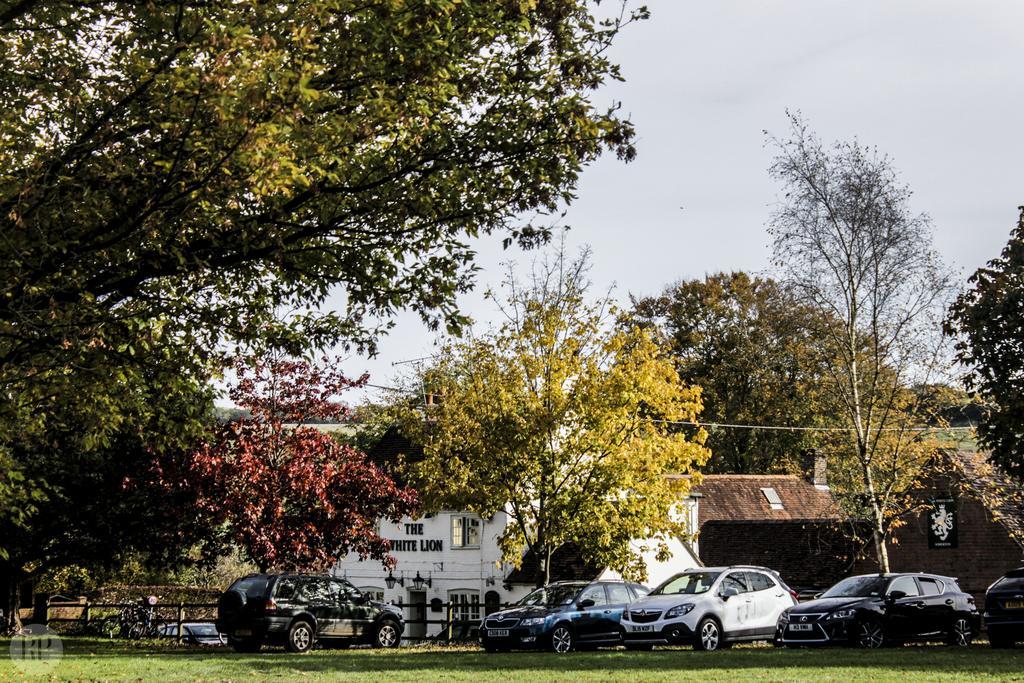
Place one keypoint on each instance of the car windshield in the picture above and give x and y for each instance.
(551, 596)
(857, 587)
(689, 584)
(1012, 581)
(252, 586)
(202, 630)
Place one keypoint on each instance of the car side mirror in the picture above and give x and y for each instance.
(585, 604)
(728, 592)
(893, 596)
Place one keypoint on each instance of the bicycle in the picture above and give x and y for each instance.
(138, 621)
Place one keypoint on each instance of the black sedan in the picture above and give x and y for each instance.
(878, 609)
(1004, 610)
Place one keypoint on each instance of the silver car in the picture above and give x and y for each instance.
(709, 607)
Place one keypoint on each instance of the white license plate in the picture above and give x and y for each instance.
(243, 633)
(498, 633)
(641, 629)
(801, 627)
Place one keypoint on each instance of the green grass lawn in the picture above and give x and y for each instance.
(104, 660)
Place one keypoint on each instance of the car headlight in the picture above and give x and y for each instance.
(679, 610)
(784, 617)
(533, 621)
(842, 614)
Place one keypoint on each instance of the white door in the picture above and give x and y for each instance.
(737, 607)
(417, 611)
(769, 600)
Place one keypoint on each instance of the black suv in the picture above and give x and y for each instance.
(561, 616)
(297, 610)
(873, 610)
(1004, 610)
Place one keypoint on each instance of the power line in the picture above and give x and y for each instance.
(723, 425)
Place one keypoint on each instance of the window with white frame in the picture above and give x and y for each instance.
(372, 592)
(465, 531)
(465, 605)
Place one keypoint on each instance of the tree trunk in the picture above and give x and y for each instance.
(878, 521)
(880, 550)
(10, 580)
(543, 567)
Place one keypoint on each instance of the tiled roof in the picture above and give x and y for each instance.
(1000, 493)
(567, 564)
(738, 497)
(808, 554)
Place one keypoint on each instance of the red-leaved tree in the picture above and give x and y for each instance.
(289, 495)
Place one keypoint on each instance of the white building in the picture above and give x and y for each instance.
(453, 557)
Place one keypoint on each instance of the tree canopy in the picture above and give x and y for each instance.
(561, 420)
(74, 508)
(178, 178)
(748, 343)
(988, 322)
(177, 175)
(288, 495)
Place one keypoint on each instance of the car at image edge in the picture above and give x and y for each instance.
(1004, 610)
(873, 610)
(709, 608)
(300, 610)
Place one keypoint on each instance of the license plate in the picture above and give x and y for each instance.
(243, 633)
(641, 629)
(801, 627)
(498, 633)
(1014, 604)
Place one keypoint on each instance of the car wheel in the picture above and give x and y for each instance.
(300, 637)
(387, 634)
(562, 640)
(870, 634)
(961, 634)
(245, 644)
(709, 635)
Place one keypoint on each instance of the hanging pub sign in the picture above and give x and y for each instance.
(943, 523)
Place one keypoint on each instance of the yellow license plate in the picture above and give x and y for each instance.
(1014, 604)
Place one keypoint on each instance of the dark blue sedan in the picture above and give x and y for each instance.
(562, 616)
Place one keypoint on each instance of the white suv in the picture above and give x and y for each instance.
(709, 608)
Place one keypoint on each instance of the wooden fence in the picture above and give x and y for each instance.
(83, 612)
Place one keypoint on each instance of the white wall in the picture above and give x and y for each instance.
(449, 568)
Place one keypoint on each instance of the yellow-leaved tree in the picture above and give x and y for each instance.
(564, 420)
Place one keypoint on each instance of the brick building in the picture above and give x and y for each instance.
(805, 536)
(987, 525)
(789, 523)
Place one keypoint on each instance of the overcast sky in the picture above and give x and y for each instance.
(936, 84)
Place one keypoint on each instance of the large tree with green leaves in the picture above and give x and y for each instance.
(562, 420)
(179, 176)
(748, 343)
(80, 504)
(988, 322)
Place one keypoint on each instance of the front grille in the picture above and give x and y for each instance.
(643, 616)
(502, 623)
(815, 634)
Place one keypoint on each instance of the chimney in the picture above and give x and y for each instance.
(816, 467)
